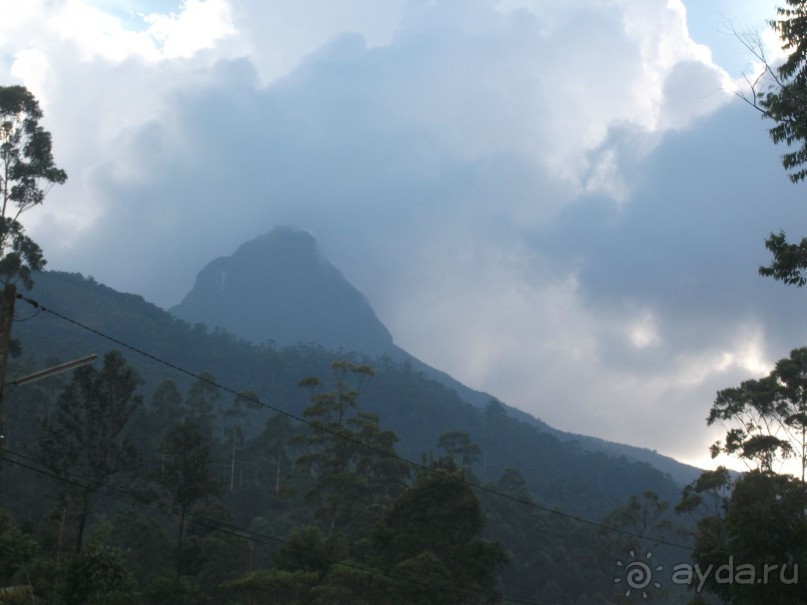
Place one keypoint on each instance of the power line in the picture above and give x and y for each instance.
(386, 453)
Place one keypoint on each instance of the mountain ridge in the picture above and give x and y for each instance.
(280, 288)
(76, 315)
(283, 272)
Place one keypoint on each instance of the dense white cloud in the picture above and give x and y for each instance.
(280, 34)
(199, 25)
(555, 202)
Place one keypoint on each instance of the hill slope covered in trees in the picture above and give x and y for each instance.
(266, 472)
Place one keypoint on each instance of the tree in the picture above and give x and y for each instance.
(785, 87)
(88, 443)
(27, 171)
(270, 450)
(233, 417)
(766, 418)
(17, 552)
(710, 493)
(164, 411)
(757, 534)
(350, 457)
(460, 449)
(185, 476)
(307, 550)
(755, 527)
(99, 576)
(26, 162)
(301, 563)
(642, 521)
(166, 405)
(142, 539)
(276, 586)
(201, 401)
(779, 93)
(348, 585)
(431, 537)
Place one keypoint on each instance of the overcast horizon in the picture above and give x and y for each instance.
(563, 204)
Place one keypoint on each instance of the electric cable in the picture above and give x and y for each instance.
(385, 453)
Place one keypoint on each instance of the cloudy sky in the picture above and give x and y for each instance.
(559, 202)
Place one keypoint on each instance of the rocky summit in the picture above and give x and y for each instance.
(280, 288)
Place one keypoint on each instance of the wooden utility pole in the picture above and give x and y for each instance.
(6, 318)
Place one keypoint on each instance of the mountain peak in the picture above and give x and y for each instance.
(280, 241)
(278, 287)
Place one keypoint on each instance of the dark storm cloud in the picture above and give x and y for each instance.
(690, 240)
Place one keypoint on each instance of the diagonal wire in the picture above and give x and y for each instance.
(385, 453)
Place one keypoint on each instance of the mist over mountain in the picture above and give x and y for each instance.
(279, 288)
(417, 406)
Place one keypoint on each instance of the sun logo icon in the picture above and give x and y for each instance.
(638, 574)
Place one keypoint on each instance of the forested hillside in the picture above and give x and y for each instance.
(417, 408)
(256, 501)
(266, 441)
(279, 288)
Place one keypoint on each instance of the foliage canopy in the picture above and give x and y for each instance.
(27, 170)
